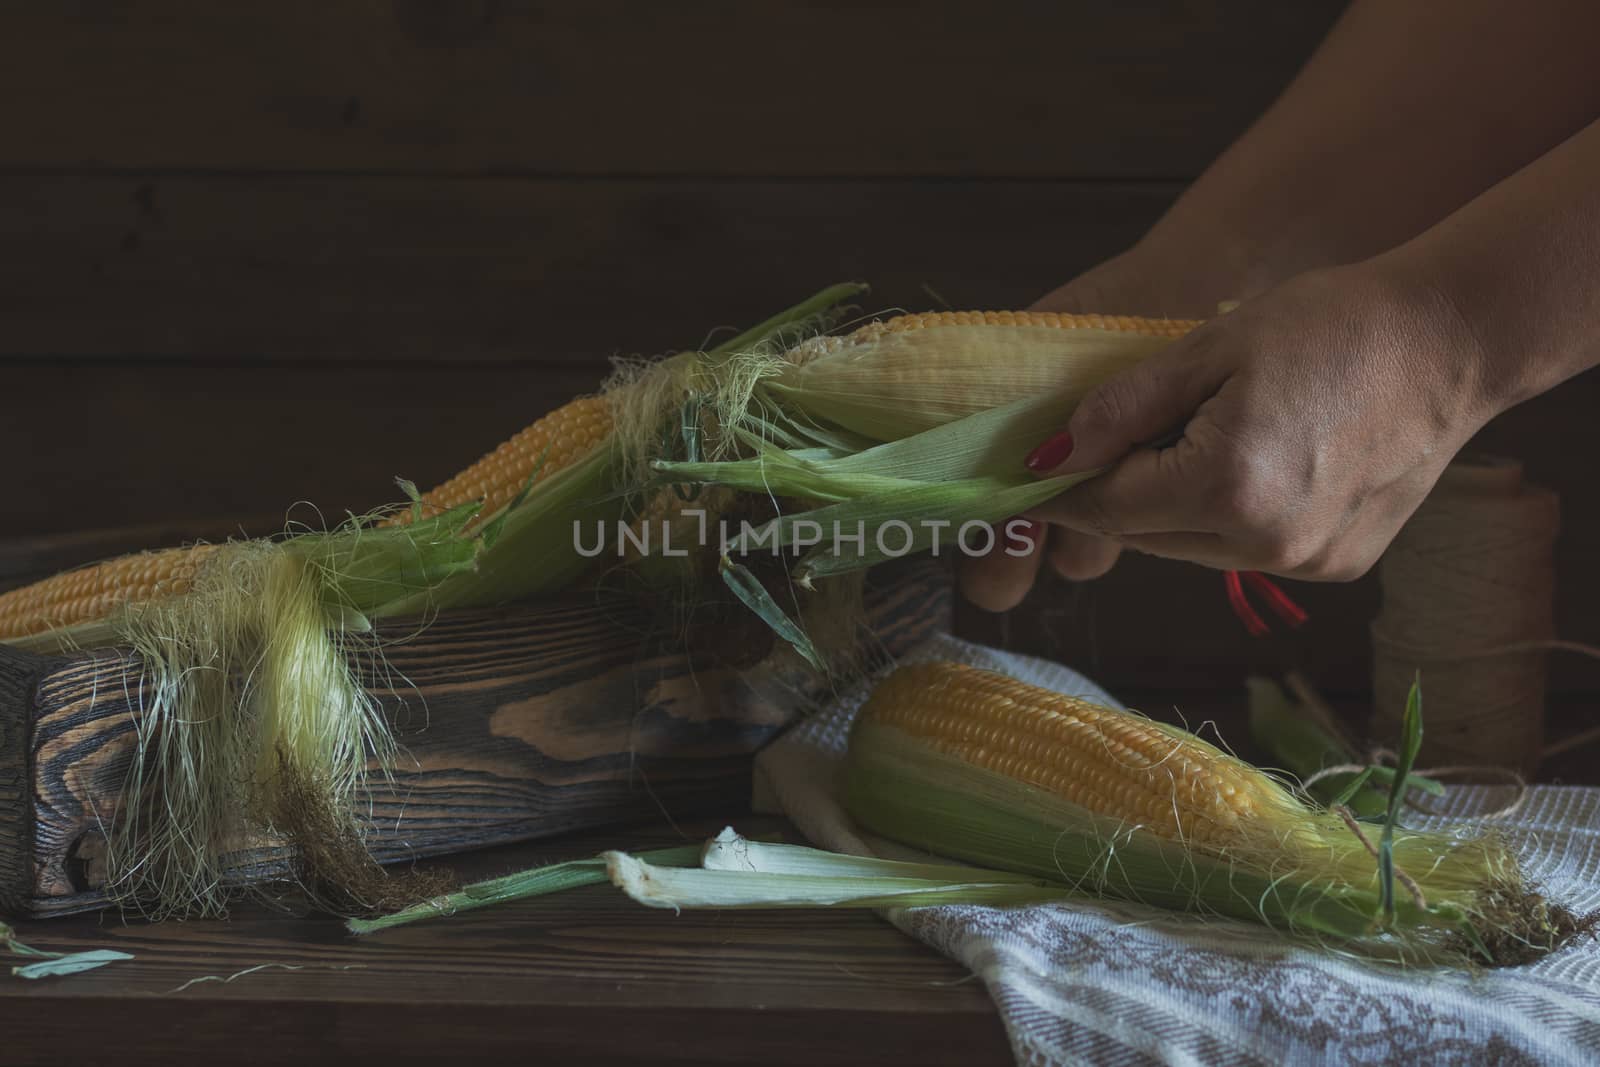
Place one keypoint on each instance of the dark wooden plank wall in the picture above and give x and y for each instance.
(265, 253)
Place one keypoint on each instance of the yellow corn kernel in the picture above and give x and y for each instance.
(92, 593)
(1113, 763)
(1169, 328)
(892, 379)
(551, 444)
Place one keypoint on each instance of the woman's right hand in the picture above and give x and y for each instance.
(1146, 280)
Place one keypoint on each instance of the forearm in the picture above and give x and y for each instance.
(1318, 415)
(1519, 270)
(1408, 110)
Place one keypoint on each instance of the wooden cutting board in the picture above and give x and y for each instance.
(516, 723)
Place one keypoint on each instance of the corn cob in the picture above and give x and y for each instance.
(1049, 796)
(91, 593)
(1112, 763)
(1168, 328)
(891, 379)
(887, 380)
(984, 768)
(549, 445)
(1107, 761)
(922, 421)
(245, 645)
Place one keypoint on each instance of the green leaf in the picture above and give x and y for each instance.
(803, 312)
(689, 428)
(991, 443)
(533, 552)
(535, 882)
(689, 887)
(1410, 744)
(780, 473)
(1303, 743)
(731, 851)
(924, 508)
(72, 963)
(748, 588)
(50, 964)
(841, 441)
(1350, 790)
(413, 494)
(495, 526)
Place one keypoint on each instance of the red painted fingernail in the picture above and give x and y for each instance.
(1052, 454)
(1024, 533)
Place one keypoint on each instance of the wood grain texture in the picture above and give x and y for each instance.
(1081, 89)
(580, 977)
(19, 677)
(518, 722)
(585, 976)
(280, 253)
(176, 447)
(448, 272)
(271, 341)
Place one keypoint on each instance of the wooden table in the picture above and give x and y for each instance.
(580, 976)
(583, 976)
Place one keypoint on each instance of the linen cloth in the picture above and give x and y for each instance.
(1090, 983)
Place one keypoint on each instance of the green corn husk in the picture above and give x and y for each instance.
(47, 964)
(523, 885)
(886, 501)
(932, 471)
(527, 550)
(572, 874)
(1341, 917)
(918, 797)
(1303, 741)
(1428, 897)
(1306, 872)
(735, 872)
(255, 730)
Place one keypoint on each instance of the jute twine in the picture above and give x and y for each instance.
(1468, 587)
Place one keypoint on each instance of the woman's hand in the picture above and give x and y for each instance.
(1314, 420)
(1309, 467)
(1165, 275)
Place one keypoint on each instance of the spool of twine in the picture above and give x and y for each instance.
(1468, 586)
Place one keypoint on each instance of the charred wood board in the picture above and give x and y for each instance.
(516, 723)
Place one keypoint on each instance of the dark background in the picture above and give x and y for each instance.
(254, 254)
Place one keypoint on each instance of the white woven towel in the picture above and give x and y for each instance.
(1092, 984)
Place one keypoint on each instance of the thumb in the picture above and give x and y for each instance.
(1142, 404)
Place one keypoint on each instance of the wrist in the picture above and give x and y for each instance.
(1219, 257)
(1440, 343)
(1163, 274)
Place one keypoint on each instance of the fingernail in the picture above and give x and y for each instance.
(1024, 533)
(1052, 454)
